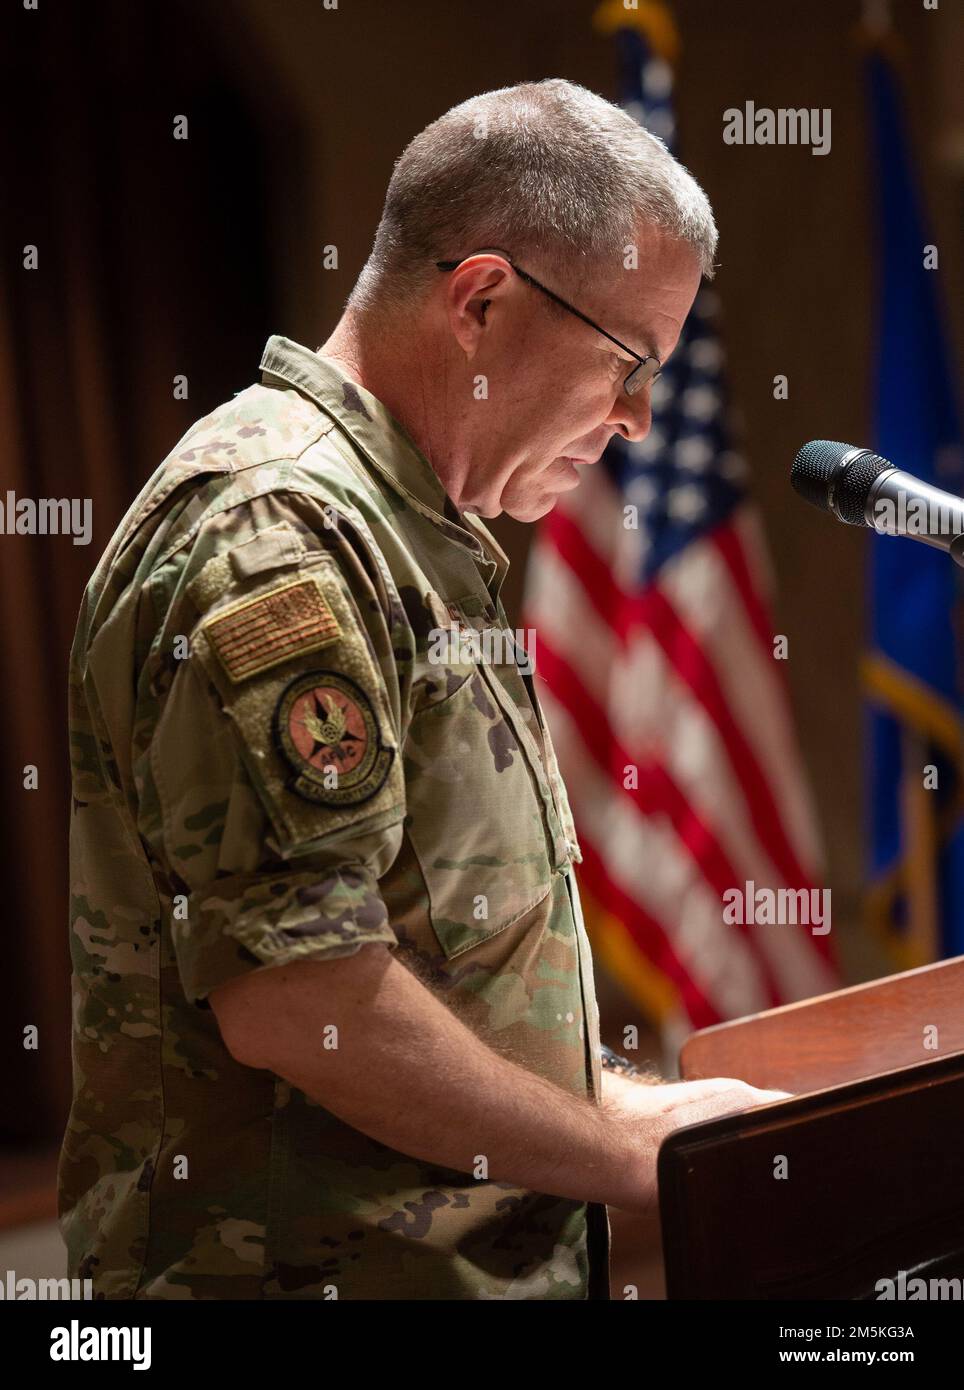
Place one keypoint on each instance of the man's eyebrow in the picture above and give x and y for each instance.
(631, 339)
(643, 352)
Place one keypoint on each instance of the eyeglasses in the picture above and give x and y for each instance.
(647, 369)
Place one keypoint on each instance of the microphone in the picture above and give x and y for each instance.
(860, 488)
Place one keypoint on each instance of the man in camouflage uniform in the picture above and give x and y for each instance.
(273, 769)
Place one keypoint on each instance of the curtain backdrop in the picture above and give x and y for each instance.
(151, 263)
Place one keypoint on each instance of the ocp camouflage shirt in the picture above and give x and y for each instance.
(274, 760)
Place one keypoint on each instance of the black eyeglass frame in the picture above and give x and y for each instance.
(630, 385)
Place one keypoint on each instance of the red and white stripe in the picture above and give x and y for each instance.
(678, 679)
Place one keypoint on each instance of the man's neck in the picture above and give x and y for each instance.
(344, 348)
(403, 379)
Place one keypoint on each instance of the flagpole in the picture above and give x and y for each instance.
(920, 879)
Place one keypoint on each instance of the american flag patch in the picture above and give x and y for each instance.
(258, 633)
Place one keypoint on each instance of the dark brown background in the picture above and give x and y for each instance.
(160, 257)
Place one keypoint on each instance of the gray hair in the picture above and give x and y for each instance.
(547, 171)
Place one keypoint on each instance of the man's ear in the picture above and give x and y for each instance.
(472, 288)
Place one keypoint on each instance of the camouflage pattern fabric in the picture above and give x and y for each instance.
(268, 766)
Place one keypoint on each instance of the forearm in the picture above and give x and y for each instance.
(409, 1073)
(406, 1071)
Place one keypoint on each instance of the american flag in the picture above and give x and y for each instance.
(655, 652)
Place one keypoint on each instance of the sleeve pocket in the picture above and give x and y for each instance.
(314, 727)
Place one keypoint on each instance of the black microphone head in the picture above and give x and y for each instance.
(837, 477)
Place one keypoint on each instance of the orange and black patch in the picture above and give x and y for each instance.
(326, 730)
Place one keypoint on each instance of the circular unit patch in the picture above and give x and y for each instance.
(323, 724)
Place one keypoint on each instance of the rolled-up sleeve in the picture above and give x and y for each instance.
(245, 923)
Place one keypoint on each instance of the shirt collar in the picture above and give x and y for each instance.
(381, 441)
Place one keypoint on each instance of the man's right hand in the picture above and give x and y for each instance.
(649, 1113)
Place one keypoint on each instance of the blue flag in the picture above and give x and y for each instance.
(912, 671)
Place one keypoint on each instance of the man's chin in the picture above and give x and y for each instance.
(532, 510)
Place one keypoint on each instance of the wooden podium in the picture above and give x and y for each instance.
(859, 1176)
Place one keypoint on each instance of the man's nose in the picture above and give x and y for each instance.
(632, 416)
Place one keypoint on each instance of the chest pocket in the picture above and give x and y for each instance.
(476, 817)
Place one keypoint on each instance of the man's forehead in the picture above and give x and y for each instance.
(647, 299)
